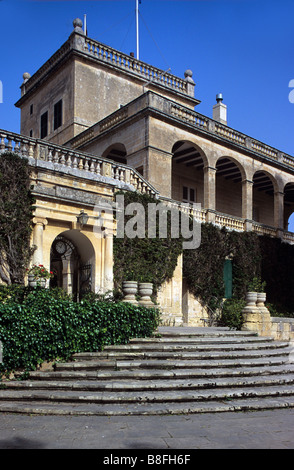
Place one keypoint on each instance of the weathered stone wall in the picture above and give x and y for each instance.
(282, 329)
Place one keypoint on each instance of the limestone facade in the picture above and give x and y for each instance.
(108, 120)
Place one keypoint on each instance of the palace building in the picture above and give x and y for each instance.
(95, 120)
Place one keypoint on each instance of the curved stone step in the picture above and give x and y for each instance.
(155, 385)
(179, 371)
(156, 374)
(199, 354)
(139, 409)
(169, 364)
(147, 396)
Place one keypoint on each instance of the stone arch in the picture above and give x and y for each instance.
(229, 176)
(116, 152)
(72, 260)
(188, 162)
(289, 206)
(264, 189)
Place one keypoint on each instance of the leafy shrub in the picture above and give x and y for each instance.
(232, 313)
(44, 326)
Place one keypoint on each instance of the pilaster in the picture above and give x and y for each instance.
(39, 227)
(209, 192)
(247, 203)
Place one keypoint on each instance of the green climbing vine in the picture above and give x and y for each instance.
(16, 212)
(145, 259)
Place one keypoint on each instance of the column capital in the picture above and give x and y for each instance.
(40, 221)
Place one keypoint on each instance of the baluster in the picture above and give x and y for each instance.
(9, 144)
(31, 149)
(50, 156)
(24, 149)
(62, 159)
(56, 156)
(2, 145)
(86, 167)
(75, 162)
(121, 174)
(98, 168)
(68, 162)
(17, 146)
(100, 52)
(92, 166)
(81, 164)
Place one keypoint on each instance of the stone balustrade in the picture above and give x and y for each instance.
(230, 222)
(212, 127)
(190, 118)
(41, 150)
(135, 66)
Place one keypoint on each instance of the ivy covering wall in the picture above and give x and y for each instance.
(145, 259)
(251, 255)
(16, 212)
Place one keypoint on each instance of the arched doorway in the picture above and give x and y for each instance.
(72, 263)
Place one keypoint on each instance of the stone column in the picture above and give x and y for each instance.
(279, 211)
(209, 192)
(247, 203)
(39, 227)
(108, 261)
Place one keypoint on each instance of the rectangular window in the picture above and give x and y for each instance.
(31, 133)
(31, 109)
(44, 125)
(58, 114)
(189, 194)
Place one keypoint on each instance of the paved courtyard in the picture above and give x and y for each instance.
(242, 430)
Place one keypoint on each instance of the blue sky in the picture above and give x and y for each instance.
(241, 48)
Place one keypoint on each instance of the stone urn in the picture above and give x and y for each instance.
(251, 299)
(251, 313)
(130, 289)
(36, 281)
(261, 298)
(145, 292)
(265, 314)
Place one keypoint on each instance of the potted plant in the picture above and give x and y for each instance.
(38, 275)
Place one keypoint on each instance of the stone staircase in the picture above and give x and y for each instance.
(180, 370)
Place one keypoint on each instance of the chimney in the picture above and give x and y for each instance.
(220, 110)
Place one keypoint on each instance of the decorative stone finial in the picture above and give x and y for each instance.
(188, 76)
(78, 25)
(26, 76)
(189, 73)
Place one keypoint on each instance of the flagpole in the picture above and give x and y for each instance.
(137, 26)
